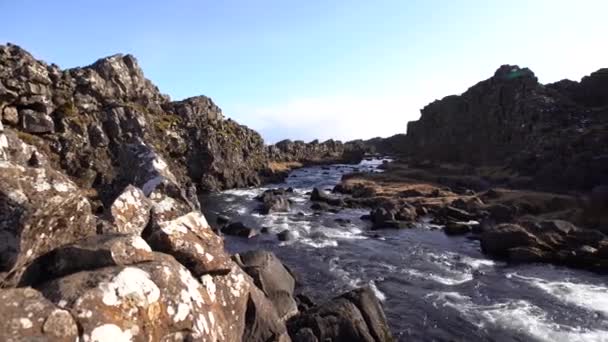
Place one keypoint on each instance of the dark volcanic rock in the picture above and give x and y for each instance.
(550, 240)
(457, 228)
(287, 235)
(319, 195)
(555, 134)
(274, 200)
(273, 278)
(239, 229)
(355, 316)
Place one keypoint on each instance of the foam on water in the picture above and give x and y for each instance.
(455, 279)
(379, 294)
(519, 316)
(588, 296)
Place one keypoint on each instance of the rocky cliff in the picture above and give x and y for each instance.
(93, 121)
(102, 234)
(556, 134)
(315, 152)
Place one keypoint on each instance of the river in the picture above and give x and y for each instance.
(433, 287)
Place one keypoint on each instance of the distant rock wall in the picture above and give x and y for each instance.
(556, 134)
(315, 152)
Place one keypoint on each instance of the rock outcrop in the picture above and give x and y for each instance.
(354, 316)
(102, 234)
(555, 134)
(315, 152)
(103, 123)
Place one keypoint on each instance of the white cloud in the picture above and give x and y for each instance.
(345, 116)
(338, 117)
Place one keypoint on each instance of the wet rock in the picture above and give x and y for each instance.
(192, 242)
(527, 254)
(498, 240)
(287, 235)
(456, 214)
(457, 228)
(240, 230)
(272, 278)
(274, 201)
(502, 213)
(28, 316)
(221, 219)
(354, 316)
(322, 206)
(130, 212)
(321, 196)
(342, 221)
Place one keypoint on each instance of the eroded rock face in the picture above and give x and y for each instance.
(555, 133)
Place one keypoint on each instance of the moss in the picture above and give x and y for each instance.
(167, 122)
(70, 112)
(40, 144)
(68, 109)
(27, 138)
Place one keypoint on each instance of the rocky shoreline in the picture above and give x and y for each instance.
(511, 224)
(103, 237)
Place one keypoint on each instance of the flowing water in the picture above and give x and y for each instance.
(433, 287)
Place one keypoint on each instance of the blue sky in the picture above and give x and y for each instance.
(318, 68)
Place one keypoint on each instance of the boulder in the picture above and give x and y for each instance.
(356, 316)
(455, 214)
(130, 212)
(500, 239)
(457, 228)
(87, 254)
(272, 278)
(274, 200)
(192, 242)
(240, 230)
(160, 300)
(10, 115)
(40, 210)
(28, 316)
(36, 122)
(319, 195)
(287, 235)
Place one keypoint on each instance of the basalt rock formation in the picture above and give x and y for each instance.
(102, 237)
(315, 152)
(101, 122)
(557, 134)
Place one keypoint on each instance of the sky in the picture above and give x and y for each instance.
(342, 69)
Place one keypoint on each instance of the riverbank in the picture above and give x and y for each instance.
(518, 225)
(432, 286)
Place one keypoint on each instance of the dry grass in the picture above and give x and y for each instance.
(283, 166)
